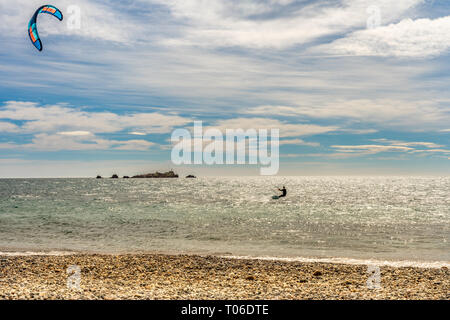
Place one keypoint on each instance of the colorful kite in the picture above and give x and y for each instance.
(32, 28)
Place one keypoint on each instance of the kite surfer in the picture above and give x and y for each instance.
(284, 192)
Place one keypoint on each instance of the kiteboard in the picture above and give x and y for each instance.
(275, 197)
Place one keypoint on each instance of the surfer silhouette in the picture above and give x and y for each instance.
(284, 192)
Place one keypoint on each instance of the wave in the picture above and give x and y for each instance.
(36, 253)
(352, 261)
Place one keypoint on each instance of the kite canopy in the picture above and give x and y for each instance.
(32, 28)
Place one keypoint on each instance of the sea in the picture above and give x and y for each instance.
(400, 221)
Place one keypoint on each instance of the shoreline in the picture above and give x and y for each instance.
(162, 276)
(396, 263)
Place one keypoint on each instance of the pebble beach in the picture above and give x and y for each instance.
(158, 276)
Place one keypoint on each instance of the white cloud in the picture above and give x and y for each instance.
(223, 23)
(399, 148)
(409, 38)
(388, 146)
(286, 129)
(321, 89)
(59, 127)
(197, 76)
(137, 133)
(8, 127)
(140, 145)
(409, 144)
(401, 114)
(299, 142)
(432, 151)
(98, 21)
(56, 142)
(49, 142)
(61, 118)
(359, 131)
(273, 110)
(370, 148)
(75, 133)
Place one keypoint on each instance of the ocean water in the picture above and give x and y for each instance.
(322, 218)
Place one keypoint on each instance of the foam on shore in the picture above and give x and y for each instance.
(352, 261)
(36, 253)
(340, 260)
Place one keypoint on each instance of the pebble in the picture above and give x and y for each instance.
(155, 276)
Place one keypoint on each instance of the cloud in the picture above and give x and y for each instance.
(59, 127)
(98, 21)
(433, 151)
(421, 38)
(299, 142)
(401, 114)
(8, 127)
(49, 142)
(141, 145)
(409, 144)
(359, 131)
(273, 24)
(73, 121)
(401, 148)
(137, 133)
(56, 142)
(141, 67)
(286, 129)
(273, 110)
(370, 149)
(216, 59)
(75, 133)
(388, 146)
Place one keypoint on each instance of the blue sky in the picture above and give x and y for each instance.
(349, 95)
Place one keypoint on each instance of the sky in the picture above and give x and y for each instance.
(356, 87)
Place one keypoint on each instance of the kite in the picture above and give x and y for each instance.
(32, 28)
